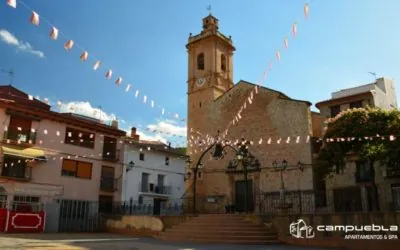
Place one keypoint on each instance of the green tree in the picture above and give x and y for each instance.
(369, 133)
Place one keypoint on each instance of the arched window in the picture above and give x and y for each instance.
(223, 62)
(200, 61)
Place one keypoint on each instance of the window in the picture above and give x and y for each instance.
(223, 62)
(26, 204)
(15, 167)
(364, 171)
(200, 61)
(78, 169)
(141, 156)
(145, 182)
(110, 148)
(107, 182)
(357, 104)
(335, 110)
(79, 138)
(20, 130)
(166, 160)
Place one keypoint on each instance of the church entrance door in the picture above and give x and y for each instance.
(240, 197)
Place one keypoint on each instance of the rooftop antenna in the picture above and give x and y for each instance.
(374, 74)
(10, 74)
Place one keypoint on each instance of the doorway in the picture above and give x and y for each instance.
(240, 196)
(157, 207)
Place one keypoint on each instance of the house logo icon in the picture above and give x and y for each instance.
(300, 230)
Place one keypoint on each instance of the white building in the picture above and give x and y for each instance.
(154, 176)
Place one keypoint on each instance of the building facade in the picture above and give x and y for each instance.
(363, 185)
(48, 156)
(214, 100)
(153, 177)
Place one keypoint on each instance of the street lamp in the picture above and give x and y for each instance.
(130, 166)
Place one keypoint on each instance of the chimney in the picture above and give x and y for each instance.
(114, 124)
(133, 132)
(134, 135)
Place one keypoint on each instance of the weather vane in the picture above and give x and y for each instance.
(209, 8)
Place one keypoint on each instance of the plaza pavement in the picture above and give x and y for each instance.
(114, 242)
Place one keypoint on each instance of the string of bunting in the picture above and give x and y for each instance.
(70, 44)
(262, 82)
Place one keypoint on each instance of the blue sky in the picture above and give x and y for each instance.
(144, 42)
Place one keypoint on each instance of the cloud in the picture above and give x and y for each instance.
(168, 127)
(10, 39)
(86, 109)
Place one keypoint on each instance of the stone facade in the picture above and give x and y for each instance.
(272, 114)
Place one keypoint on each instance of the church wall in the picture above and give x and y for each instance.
(268, 116)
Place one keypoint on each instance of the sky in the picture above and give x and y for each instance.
(144, 43)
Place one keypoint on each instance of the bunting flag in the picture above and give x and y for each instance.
(68, 45)
(144, 99)
(306, 11)
(84, 56)
(162, 111)
(34, 18)
(118, 81)
(294, 29)
(137, 93)
(109, 74)
(12, 3)
(270, 66)
(152, 103)
(54, 33)
(278, 55)
(127, 87)
(286, 42)
(96, 65)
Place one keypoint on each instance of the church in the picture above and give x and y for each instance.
(272, 123)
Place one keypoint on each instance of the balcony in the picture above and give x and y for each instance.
(108, 184)
(17, 173)
(19, 137)
(112, 156)
(153, 189)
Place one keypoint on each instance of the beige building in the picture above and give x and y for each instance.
(363, 186)
(46, 155)
(214, 100)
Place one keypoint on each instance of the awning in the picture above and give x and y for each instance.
(29, 153)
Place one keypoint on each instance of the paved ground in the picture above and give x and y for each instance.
(114, 242)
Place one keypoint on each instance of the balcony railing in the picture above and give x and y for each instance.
(154, 189)
(15, 135)
(16, 173)
(108, 184)
(111, 156)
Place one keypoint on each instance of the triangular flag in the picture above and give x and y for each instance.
(35, 18)
(163, 111)
(306, 10)
(294, 29)
(278, 55)
(286, 42)
(127, 88)
(84, 56)
(54, 33)
(109, 74)
(118, 81)
(68, 45)
(137, 93)
(96, 65)
(144, 99)
(12, 3)
(152, 104)
(270, 66)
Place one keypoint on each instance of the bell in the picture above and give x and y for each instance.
(218, 151)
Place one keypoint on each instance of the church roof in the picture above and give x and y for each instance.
(281, 95)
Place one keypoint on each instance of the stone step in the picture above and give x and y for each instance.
(220, 233)
(220, 227)
(221, 241)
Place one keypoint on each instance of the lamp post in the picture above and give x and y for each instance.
(281, 167)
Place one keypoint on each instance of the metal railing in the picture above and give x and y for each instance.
(109, 184)
(152, 188)
(111, 156)
(15, 135)
(16, 172)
